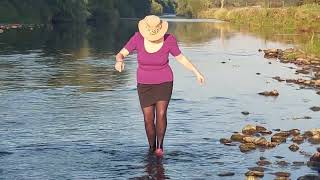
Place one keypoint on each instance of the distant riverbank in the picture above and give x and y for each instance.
(302, 19)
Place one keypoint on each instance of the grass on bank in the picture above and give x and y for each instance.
(304, 18)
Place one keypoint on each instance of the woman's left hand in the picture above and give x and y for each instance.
(200, 78)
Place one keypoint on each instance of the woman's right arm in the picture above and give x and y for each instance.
(119, 66)
(128, 48)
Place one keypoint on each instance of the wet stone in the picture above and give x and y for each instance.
(294, 147)
(262, 158)
(263, 163)
(315, 108)
(278, 139)
(226, 174)
(282, 163)
(260, 169)
(314, 139)
(282, 174)
(245, 113)
(269, 93)
(279, 157)
(298, 139)
(224, 141)
(249, 129)
(298, 163)
(237, 137)
(294, 132)
(247, 147)
(254, 173)
(318, 92)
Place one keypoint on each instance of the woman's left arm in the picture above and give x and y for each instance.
(187, 64)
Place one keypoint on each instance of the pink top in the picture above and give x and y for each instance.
(153, 68)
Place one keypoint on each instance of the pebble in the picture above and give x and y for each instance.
(270, 93)
(255, 173)
(245, 113)
(263, 163)
(294, 147)
(309, 177)
(315, 108)
(226, 174)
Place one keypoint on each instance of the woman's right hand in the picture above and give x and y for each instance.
(119, 66)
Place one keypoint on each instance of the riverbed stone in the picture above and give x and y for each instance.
(264, 133)
(270, 93)
(294, 147)
(298, 139)
(298, 163)
(282, 163)
(282, 174)
(1, 31)
(224, 141)
(263, 163)
(278, 139)
(249, 129)
(259, 168)
(278, 78)
(254, 173)
(237, 137)
(245, 113)
(314, 139)
(318, 93)
(223, 174)
(294, 132)
(315, 108)
(245, 147)
(314, 161)
(261, 141)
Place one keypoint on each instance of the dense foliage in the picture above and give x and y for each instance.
(35, 11)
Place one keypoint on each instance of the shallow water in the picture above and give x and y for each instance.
(66, 114)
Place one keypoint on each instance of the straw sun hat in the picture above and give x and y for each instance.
(152, 27)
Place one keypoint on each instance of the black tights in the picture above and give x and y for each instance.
(156, 131)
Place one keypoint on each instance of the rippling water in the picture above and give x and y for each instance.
(66, 114)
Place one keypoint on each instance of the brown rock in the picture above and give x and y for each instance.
(294, 147)
(282, 174)
(265, 132)
(314, 139)
(278, 139)
(261, 141)
(315, 108)
(298, 139)
(263, 163)
(249, 129)
(278, 78)
(249, 139)
(284, 134)
(223, 174)
(224, 141)
(255, 173)
(270, 93)
(314, 161)
(294, 132)
(237, 137)
(298, 163)
(282, 163)
(259, 168)
(318, 92)
(247, 147)
(260, 128)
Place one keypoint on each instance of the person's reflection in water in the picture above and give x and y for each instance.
(154, 167)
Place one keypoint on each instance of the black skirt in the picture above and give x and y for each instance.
(149, 94)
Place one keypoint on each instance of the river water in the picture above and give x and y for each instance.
(65, 113)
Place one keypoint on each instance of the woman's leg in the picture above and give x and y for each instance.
(148, 113)
(161, 121)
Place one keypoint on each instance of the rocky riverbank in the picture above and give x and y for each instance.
(6, 27)
(306, 64)
(254, 137)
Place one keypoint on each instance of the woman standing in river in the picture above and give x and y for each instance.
(154, 75)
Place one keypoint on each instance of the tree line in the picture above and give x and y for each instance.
(44, 11)
(192, 7)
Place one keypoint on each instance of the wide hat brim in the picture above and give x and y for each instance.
(142, 26)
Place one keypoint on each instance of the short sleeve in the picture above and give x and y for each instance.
(173, 46)
(132, 43)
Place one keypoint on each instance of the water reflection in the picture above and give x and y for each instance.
(153, 168)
